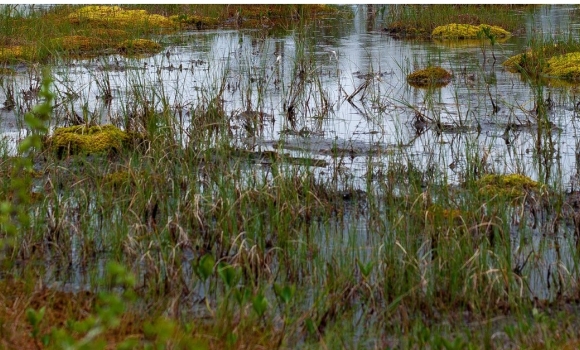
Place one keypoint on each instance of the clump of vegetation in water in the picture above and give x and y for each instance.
(138, 47)
(565, 66)
(117, 17)
(17, 53)
(193, 21)
(547, 59)
(78, 44)
(81, 139)
(467, 31)
(509, 186)
(431, 76)
(87, 31)
(419, 21)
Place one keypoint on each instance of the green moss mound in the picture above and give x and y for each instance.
(138, 47)
(81, 139)
(10, 54)
(78, 44)
(117, 17)
(564, 66)
(195, 21)
(515, 63)
(467, 31)
(510, 186)
(547, 64)
(432, 76)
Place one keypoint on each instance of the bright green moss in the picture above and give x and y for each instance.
(564, 66)
(432, 76)
(81, 139)
(78, 44)
(510, 186)
(514, 63)
(560, 66)
(17, 53)
(467, 31)
(116, 17)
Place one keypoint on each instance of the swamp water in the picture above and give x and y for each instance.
(337, 95)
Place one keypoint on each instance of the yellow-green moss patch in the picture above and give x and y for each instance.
(564, 66)
(431, 76)
(106, 35)
(139, 47)
(467, 31)
(81, 139)
(546, 64)
(449, 216)
(16, 53)
(119, 178)
(514, 63)
(195, 21)
(78, 44)
(404, 29)
(116, 17)
(510, 186)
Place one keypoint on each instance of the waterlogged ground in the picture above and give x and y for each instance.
(334, 95)
(260, 72)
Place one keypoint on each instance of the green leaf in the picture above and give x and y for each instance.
(34, 317)
(260, 304)
(309, 324)
(242, 295)
(285, 293)
(205, 266)
(365, 269)
(228, 274)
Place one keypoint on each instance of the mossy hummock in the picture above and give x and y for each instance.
(514, 63)
(17, 53)
(195, 21)
(78, 44)
(116, 17)
(139, 47)
(431, 76)
(467, 31)
(81, 139)
(510, 186)
(560, 66)
(564, 66)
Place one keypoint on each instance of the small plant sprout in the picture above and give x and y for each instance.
(229, 274)
(284, 293)
(260, 304)
(205, 266)
(365, 269)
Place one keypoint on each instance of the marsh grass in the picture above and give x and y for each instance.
(226, 251)
(76, 31)
(418, 21)
(547, 60)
